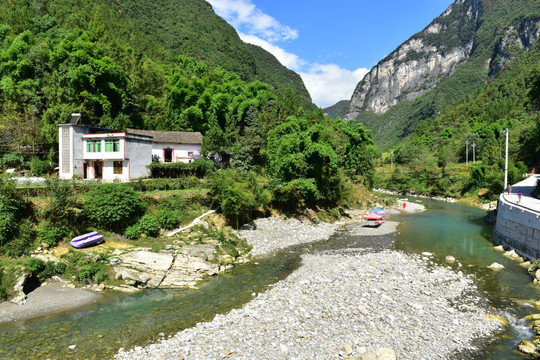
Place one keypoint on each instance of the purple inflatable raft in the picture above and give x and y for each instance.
(85, 240)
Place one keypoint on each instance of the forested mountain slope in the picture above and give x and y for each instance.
(159, 29)
(459, 53)
(164, 64)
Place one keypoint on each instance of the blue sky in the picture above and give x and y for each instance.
(331, 44)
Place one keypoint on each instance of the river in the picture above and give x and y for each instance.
(125, 320)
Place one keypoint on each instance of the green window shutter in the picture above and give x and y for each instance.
(88, 146)
(98, 145)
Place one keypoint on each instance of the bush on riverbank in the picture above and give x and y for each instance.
(112, 206)
(140, 217)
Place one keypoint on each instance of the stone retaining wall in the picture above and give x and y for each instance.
(517, 227)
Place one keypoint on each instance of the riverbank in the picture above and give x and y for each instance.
(472, 201)
(51, 297)
(344, 305)
(266, 235)
(341, 304)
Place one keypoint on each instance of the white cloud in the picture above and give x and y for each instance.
(245, 17)
(328, 84)
(287, 59)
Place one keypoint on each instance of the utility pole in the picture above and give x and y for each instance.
(474, 154)
(506, 162)
(467, 152)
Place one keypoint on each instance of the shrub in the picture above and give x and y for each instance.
(35, 266)
(476, 179)
(12, 160)
(62, 209)
(149, 225)
(51, 235)
(168, 219)
(3, 286)
(133, 232)
(7, 282)
(237, 203)
(112, 206)
(12, 208)
(198, 168)
(297, 193)
(237, 195)
(39, 167)
(23, 242)
(52, 268)
(86, 268)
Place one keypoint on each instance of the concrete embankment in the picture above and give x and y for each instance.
(518, 220)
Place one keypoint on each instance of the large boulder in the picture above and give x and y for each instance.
(144, 268)
(496, 266)
(19, 297)
(188, 270)
(205, 252)
(528, 347)
(513, 255)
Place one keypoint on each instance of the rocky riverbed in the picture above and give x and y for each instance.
(344, 305)
(341, 304)
(268, 235)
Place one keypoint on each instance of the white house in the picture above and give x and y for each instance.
(173, 146)
(89, 152)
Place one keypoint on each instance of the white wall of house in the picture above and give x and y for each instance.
(109, 170)
(139, 153)
(102, 139)
(180, 152)
(70, 146)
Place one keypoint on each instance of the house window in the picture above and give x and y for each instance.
(112, 145)
(118, 167)
(93, 145)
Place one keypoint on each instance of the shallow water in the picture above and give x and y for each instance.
(126, 320)
(451, 229)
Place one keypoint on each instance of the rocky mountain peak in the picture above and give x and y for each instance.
(421, 62)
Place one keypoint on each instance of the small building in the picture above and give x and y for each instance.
(89, 152)
(173, 146)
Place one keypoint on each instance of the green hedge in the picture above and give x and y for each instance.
(199, 168)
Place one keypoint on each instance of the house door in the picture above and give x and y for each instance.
(98, 169)
(167, 155)
(85, 170)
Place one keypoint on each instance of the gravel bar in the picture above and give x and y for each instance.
(268, 235)
(342, 306)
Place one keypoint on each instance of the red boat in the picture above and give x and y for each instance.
(378, 219)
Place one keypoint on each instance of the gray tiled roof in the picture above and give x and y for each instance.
(170, 137)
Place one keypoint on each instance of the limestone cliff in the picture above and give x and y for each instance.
(421, 62)
(516, 40)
